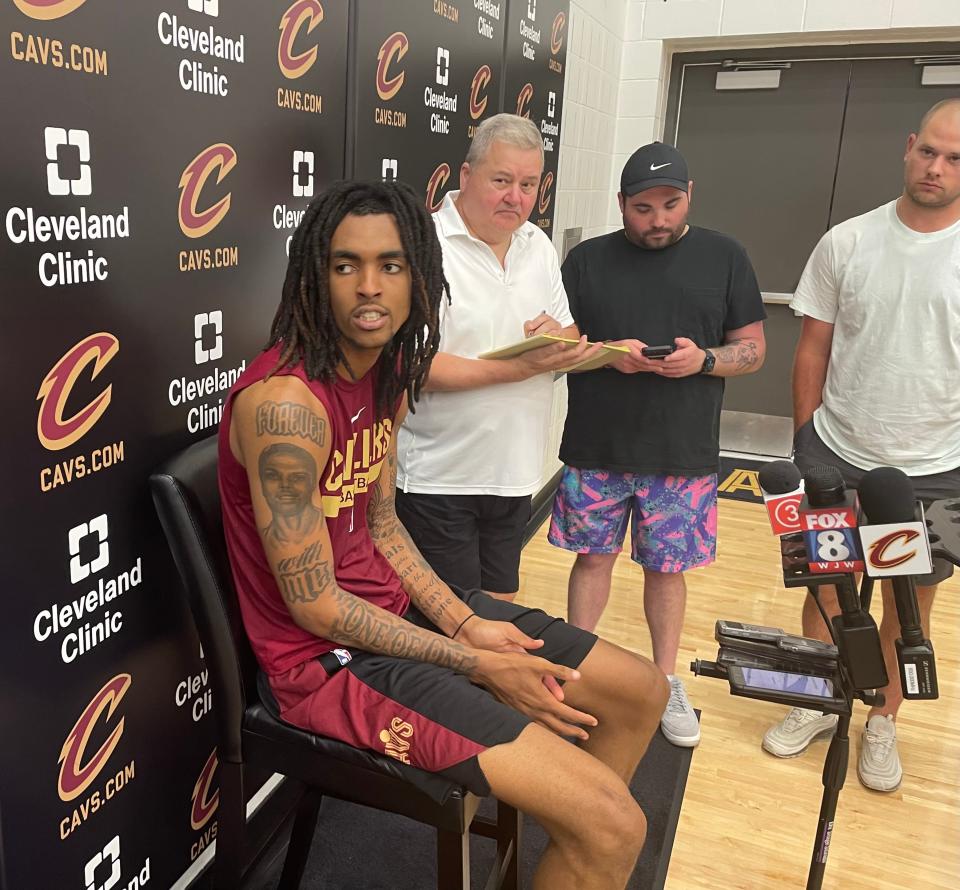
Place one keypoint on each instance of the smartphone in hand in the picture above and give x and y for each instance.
(658, 351)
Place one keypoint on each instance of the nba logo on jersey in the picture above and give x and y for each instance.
(343, 656)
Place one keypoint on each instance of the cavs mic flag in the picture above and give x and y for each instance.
(886, 495)
(782, 489)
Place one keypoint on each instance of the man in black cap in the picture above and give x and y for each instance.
(642, 435)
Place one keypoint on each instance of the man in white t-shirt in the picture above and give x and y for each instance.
(472, 454)
(875, 384)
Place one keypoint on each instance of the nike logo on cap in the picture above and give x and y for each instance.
(659, 166)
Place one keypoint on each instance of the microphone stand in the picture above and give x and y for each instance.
(838, 754)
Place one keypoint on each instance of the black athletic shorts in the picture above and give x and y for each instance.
(810, 450)
(471, 540)
(421, 714)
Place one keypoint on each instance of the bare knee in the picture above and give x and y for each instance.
(596, 563)
(646, 687)
(618, 827)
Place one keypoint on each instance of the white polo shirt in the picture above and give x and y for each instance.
(489, 440)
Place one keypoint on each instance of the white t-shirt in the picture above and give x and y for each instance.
(489, 440)
(892, 393)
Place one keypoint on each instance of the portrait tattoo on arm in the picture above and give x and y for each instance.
(288, 479)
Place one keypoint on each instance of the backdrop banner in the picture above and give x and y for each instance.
(148, 201)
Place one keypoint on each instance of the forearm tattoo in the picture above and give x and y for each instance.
(290, 419)
(430, 595)
(361, 624)
(742, 354)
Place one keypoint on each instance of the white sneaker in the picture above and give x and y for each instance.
(796, 731)
(879, 764)
(679, 721)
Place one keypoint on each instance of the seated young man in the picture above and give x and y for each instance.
(358, 637)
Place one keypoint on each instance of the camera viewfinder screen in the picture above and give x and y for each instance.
(787, 682)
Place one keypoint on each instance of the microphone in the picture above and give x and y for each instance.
(828, 519)
(782, 488)
(898, 549)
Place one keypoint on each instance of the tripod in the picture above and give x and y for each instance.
(853, 607)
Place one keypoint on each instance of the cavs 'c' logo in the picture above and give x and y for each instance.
(302, 12)
(478, 102)
(396, 739)
(545, 195)
(393, 48)
(878, 549)
(556, 33)
(438, 179)
(47, 9)
(523, 99)
(197, 223)
(53, 429)
(204, 803)
(76, 772)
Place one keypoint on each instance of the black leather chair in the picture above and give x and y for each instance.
(249, 733)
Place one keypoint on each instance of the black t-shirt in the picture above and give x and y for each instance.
(700, 287)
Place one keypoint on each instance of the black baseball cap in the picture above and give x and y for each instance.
(652, 165)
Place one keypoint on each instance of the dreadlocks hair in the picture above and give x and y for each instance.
(304, 325)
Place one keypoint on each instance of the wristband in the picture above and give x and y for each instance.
(453, 636)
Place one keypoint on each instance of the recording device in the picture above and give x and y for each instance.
(782, 488)
(658, 351)
(828, 520)
(899, 552)
(769, 664)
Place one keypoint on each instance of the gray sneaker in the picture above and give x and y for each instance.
(679, 721)
(879, 764)
(796, 731)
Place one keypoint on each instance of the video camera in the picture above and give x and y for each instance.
(827, 535)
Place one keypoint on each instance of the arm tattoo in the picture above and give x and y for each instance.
(361, 624)
(428, 593)
(302, 578)
(288, 480)
(744, 354)
(290, 419)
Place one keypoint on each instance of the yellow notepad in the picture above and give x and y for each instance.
(607, 354)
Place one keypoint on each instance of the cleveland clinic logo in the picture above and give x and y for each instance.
(438, 179)
(523, 100)
(303, 174)
(78, 767)
(54, 430)
(392, 51)
(194, 222)
(45, 10)
(96, 528)
(301, 15)
(207, 7)
(59, 145)
(478, 99)
(556, 33)
(204, 323)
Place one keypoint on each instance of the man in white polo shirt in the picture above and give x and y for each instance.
(472, 454)
(875, 384)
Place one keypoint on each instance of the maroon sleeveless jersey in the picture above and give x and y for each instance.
(359, 442)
